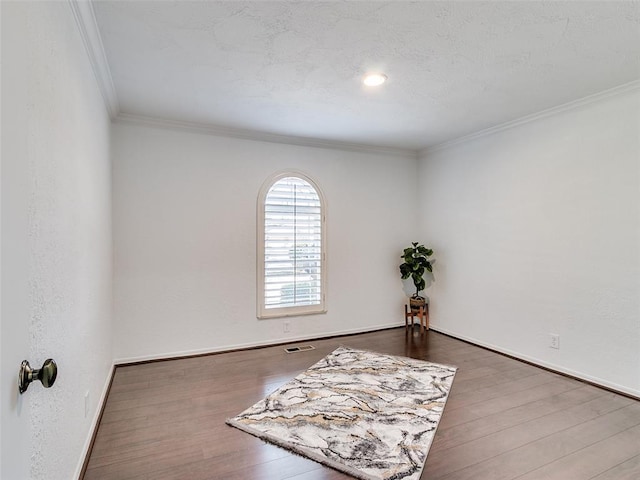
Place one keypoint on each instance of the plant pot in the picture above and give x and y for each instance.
(416, 301)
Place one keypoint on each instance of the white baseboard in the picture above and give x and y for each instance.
(94, 422)
(536, 361)
(242, 346)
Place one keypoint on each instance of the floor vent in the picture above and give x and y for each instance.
(302, 348)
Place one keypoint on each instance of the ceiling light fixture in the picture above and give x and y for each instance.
(374, 79)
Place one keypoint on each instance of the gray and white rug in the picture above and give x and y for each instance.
(369, 415)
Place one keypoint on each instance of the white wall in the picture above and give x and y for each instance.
(56, 239)
(185, 239)
(536, 231)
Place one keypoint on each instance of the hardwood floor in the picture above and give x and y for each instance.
(504, 419)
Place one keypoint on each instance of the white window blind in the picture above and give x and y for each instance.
(292, 250)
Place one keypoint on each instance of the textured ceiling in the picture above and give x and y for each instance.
(295, 68)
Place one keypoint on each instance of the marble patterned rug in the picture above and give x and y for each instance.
(369, 415)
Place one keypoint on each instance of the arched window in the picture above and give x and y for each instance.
(291, 247)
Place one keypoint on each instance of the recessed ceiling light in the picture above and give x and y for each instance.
(374, 79)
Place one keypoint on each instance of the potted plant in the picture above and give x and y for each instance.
(416, 261)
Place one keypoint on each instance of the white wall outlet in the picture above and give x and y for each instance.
(87, 404)
(554, 340)
(286, 326)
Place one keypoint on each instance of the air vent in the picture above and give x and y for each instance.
(302, 348)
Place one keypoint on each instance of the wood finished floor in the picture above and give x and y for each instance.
(504, 419)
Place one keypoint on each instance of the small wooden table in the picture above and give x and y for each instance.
(422, 314)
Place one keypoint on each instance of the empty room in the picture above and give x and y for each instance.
(320, 240)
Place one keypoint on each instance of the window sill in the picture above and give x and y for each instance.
(293, 312)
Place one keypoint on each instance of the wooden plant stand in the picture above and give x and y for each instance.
(422, 314)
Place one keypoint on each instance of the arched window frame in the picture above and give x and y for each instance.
(262, 311)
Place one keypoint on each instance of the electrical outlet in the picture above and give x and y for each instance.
(87, 404)
(554, 340)
(286, 326)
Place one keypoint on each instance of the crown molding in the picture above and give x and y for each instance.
(220, 131)
(575, 104)
(88, 27)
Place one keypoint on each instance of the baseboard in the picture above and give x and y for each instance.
(246, 346)
(598, 382)
(95, 423)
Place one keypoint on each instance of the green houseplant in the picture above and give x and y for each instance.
(416, 261)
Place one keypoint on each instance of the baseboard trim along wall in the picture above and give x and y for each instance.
(93, 430)
(247, 346)
(595, 381)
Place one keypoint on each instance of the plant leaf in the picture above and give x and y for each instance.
(405, 270)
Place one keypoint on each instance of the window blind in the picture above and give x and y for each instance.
(292, 245)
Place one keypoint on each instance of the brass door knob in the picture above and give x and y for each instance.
(47, 374)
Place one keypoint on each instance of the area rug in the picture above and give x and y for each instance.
(369, 415)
